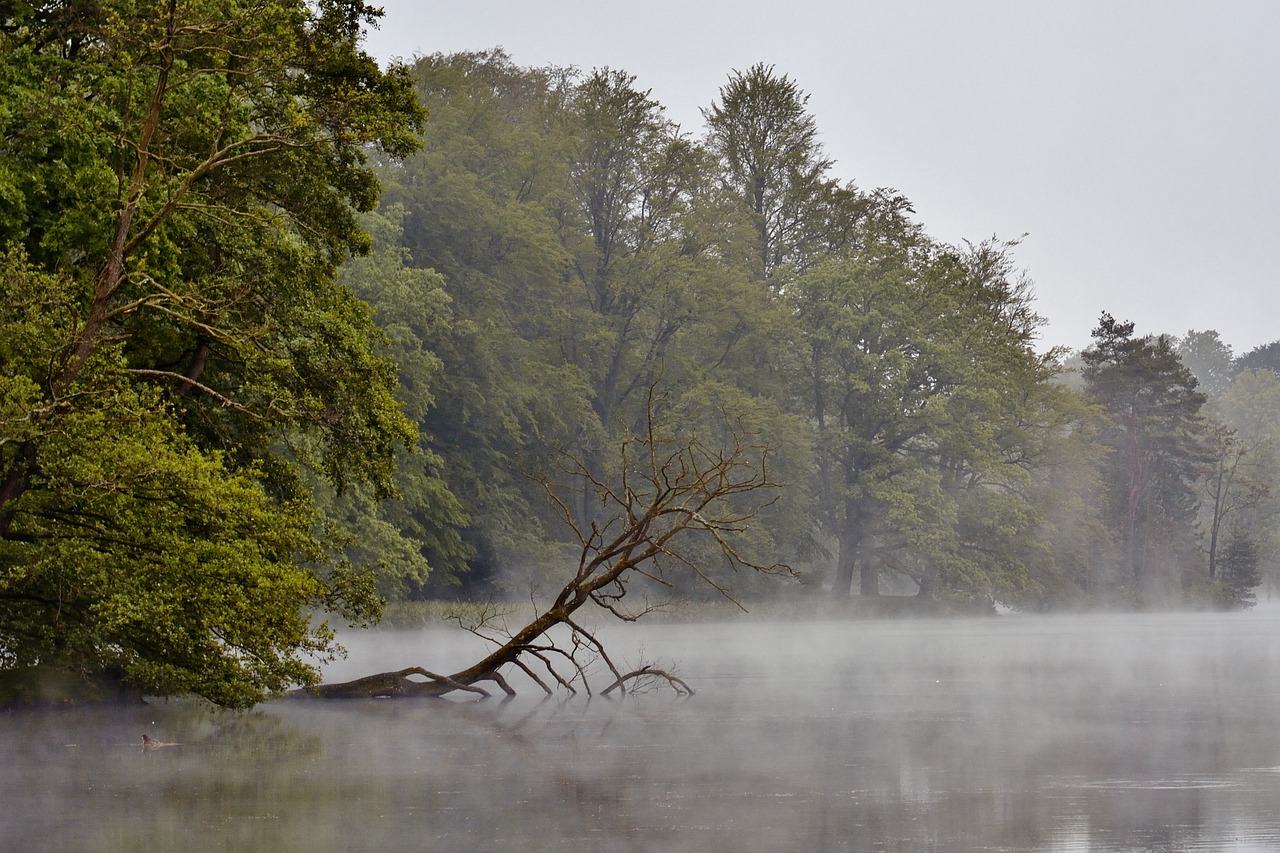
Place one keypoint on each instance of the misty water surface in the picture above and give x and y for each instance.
(1100, 733)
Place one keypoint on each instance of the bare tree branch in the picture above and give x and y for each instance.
(670, 491)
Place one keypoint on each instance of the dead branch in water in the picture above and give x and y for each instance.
(668, 490)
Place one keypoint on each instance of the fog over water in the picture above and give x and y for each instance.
(1095, 733)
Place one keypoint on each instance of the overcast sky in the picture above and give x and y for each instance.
(1135, 143)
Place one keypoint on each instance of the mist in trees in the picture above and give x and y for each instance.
(592, 251)
(267, 347)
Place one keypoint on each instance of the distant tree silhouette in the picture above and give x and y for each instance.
(1208, 358)
(1266, 356)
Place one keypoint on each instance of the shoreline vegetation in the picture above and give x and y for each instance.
(273, 355)
(51, 688)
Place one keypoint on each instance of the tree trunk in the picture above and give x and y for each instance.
(845, 562)
(869, 579)
(926, 582)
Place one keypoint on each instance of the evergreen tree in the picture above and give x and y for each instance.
(1157, 440)
(1240, 574)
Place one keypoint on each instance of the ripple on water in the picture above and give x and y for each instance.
(1160, 784)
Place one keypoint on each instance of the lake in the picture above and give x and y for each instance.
(1019, 733)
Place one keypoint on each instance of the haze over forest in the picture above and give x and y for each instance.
(294, 332)
(1131, 141)
(879, 367)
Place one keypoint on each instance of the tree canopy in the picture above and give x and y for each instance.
(181, 184)
(591, 250)
(272, 343)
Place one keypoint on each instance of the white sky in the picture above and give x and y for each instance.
(1134, 141)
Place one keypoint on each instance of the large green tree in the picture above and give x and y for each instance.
(181, 181)
(770, 158)
(1158, 446)
(923, 387)
(478, 204)
(593, 262)
(660, 293)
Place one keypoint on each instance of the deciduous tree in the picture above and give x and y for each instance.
(921, 377)
(1233, 483)
(1209, 359)
(181, 183)
(771, 159)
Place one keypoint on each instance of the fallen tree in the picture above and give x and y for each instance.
(673, 497)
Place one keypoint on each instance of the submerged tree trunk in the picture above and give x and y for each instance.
(385, 685)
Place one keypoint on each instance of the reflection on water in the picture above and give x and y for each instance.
(1102, 733)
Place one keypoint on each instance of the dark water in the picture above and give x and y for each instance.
(1104, 733)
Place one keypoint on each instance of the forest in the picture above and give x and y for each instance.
(285, 333)
(579, 252)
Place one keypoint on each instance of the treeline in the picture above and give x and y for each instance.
(560, 255)
(273, 342)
